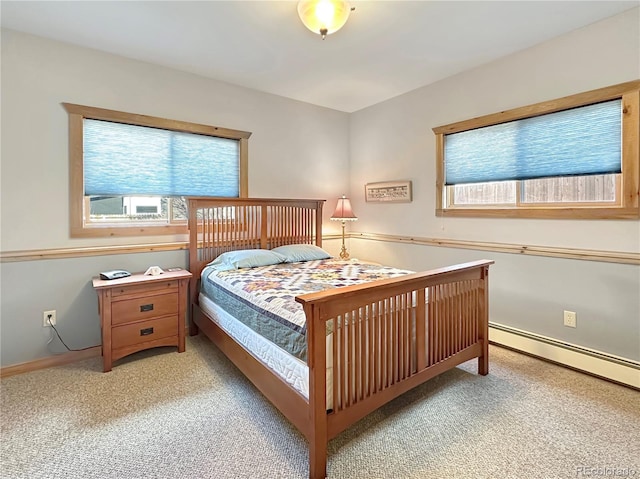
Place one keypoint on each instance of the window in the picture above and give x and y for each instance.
(576, 157)
(130, 173)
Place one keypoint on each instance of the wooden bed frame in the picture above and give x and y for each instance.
(387, 337)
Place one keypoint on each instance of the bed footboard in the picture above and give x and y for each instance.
(388, 337)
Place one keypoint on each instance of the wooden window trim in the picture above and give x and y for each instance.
(77, 204)
(628, 206)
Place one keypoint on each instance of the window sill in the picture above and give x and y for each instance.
(590, 213)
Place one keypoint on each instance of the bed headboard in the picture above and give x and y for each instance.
(218, 225)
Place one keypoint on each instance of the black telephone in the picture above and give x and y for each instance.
(115, 274)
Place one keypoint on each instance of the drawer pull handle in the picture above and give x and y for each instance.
(146, 331)
(146, 307)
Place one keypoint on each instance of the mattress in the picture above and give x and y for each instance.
(257, 307)
(291, 369)
(263, 298)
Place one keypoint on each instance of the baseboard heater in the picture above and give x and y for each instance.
(597, 363)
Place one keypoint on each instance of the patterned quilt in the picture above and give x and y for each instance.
(263, 297)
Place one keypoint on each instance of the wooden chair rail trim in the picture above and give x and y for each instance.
(549, 251)
(60, 253)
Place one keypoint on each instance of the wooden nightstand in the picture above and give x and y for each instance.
(141, 312)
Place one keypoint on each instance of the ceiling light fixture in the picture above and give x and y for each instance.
(324, 17)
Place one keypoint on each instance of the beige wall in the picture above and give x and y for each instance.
(296, 149)
(394, 140)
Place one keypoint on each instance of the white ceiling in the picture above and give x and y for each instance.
(386, 48)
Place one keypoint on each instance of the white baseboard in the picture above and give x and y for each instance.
(600, 364)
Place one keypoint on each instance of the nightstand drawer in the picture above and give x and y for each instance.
(144, 308)
(144, 331)
(129, 290)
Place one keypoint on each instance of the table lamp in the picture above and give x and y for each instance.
(344, 213)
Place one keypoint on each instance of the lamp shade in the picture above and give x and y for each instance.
(343, 210)
(324, 16)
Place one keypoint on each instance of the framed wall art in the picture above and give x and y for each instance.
(388, 191)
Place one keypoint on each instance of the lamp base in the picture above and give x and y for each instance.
(343, 252)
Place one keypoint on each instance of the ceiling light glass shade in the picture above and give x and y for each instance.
(324, 16)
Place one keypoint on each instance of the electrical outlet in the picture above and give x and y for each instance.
(48, 316)
(570, 319)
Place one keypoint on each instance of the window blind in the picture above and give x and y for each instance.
(121, 159)
(581, 141)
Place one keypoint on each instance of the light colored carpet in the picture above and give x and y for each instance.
(160, 414)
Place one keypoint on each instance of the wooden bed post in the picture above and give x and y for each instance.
(318, 437)
(193, 262)
(483, 359)
(319, 223)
